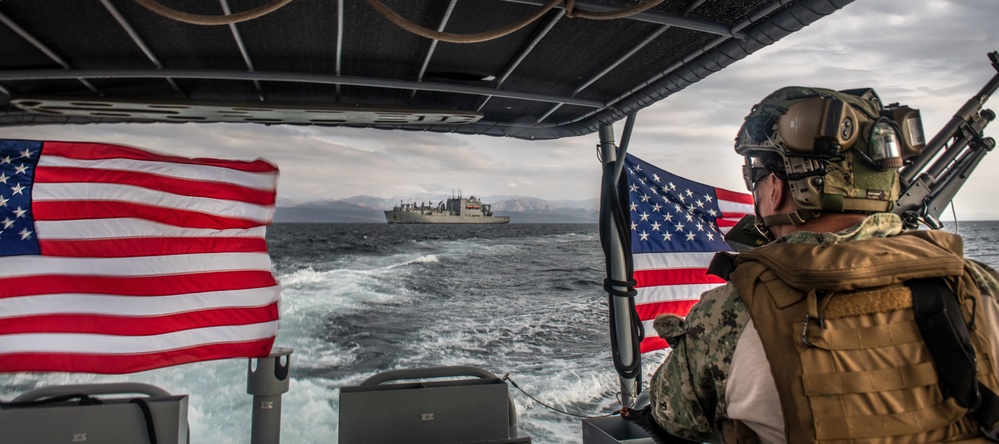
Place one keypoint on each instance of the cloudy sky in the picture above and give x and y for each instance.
(930, 55)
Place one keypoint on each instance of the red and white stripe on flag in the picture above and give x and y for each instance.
(118, 260)
(677, 225)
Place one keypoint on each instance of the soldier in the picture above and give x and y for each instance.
(819, 335)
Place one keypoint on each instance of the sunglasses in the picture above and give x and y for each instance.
(752, 174)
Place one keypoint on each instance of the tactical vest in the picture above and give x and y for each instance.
(838, 329)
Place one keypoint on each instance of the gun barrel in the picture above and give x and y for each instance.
(967, 113)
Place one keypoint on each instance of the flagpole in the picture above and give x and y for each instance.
(621, 310)
(267, 381)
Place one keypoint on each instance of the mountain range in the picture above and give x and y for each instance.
(369, 209)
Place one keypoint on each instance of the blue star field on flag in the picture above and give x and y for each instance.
(18, 159)
(670, 213)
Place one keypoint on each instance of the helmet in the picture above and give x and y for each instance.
(839, 151)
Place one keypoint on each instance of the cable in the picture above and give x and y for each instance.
(571, 12)
(148, 416)
(198, 19)
(84, 400)
(506, 377)
(451, 37)
(953, 212)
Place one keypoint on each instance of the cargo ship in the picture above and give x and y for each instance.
(456, 210)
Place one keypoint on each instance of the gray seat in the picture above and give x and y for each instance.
(95, 413)
(468, 410)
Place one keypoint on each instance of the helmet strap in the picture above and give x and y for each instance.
(797, 217)
(762, 229)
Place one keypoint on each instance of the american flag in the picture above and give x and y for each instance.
(677, 225)
(117, 260)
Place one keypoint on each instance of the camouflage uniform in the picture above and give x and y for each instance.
(688, 392)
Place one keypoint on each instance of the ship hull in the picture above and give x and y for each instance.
(412, 217)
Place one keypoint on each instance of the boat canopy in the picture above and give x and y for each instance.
(529, 69)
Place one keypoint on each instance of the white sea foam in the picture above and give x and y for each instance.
(428, 259)
(334, 290)
(312, 417)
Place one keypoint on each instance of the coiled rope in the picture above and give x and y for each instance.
(451, 37)
(570, 11)
(210, 20)
(402, 22)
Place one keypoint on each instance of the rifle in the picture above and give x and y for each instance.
(926, 188)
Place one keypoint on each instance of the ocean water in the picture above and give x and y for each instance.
(981, 240)
(358, 299)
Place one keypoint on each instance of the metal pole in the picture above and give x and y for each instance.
(622, 309)
(266, 384)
